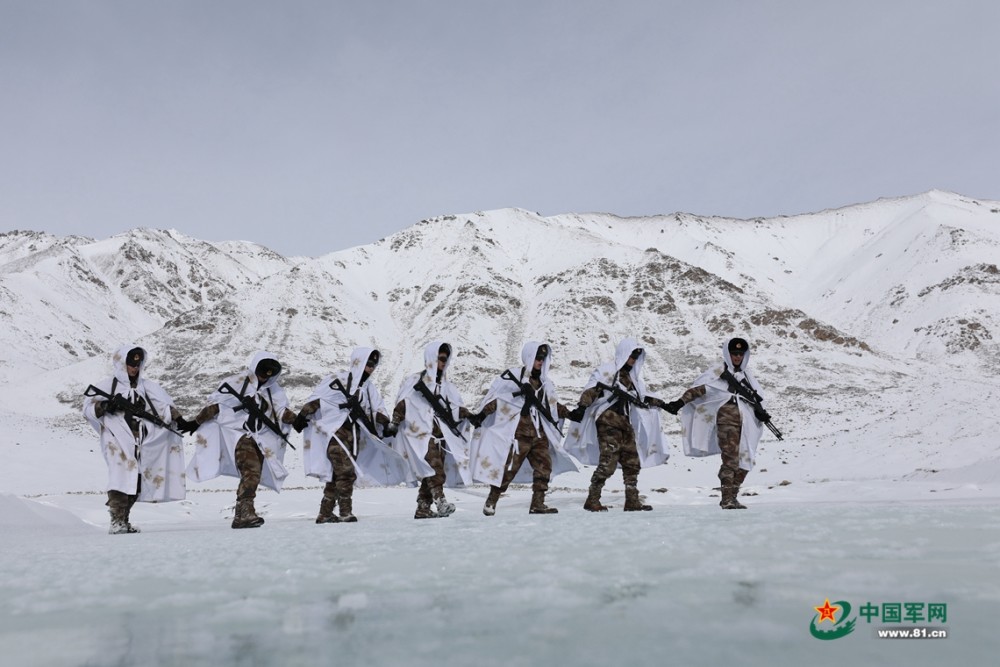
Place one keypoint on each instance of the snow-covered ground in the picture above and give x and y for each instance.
(685, 584)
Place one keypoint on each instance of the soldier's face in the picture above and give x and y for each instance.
(737, 358)
(133, 371)
(442, 361)
(538, 363)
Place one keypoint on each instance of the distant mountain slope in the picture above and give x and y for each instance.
(867, 321)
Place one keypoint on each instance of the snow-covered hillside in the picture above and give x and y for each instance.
(874, 324)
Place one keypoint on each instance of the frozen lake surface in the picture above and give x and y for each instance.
(686, 584)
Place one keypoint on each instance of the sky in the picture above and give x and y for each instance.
(315, 126)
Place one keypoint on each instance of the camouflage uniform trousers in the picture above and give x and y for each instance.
(249, 463)
(340, 489)
(536, 451)
(432, 487)
(617, 445)
(729, 426)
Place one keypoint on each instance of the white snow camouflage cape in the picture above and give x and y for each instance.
(581, 441)
(376, 462)
(215, 440)
(698, 429)
(492, 443)
(161, 453)
(413, 438)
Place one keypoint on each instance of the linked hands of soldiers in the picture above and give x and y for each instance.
(576, 414)
(390, 430)
(673, 407)
(300, 423)
(186, 426)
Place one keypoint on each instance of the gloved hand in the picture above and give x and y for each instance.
(576, 414)
(673, 407)
(300, 423)
(116, 403)
(140, 403)
(185, 426)
(390, 430)
(476, 419)
(761, 414)
(248, 402)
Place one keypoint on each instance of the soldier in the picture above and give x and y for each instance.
(145, 457)
(242, 433)
(620, 425)
(515, 430)
(715, 420)
(425, 436)
(331, 417)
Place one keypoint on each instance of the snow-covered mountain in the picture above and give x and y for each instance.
(874, 324)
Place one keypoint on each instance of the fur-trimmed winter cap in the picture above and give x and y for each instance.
(134, 357)
(738, 346)
(267, 368)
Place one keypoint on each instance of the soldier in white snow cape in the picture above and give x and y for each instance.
(619, 425)
(715, 420)
(243, 433)
(513, 429)
(435, 445)
(339, 418)
(145, 460)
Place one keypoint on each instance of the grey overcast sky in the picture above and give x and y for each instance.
(311, 126)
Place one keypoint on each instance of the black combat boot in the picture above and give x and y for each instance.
(632, 501)
(490, 507)
(538, 505)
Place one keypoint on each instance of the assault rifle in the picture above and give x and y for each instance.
(530, 398)
(119, 402)
(358, 413)
(745, 390)
(250, 405)
(621, 394)
(441, 410)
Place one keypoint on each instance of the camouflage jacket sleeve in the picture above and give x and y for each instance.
(589, 396)
(693, 393)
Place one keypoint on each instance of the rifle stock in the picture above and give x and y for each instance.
(254, 411)
(531, 399)
(752, 397)
(357, 412)
(443, 413)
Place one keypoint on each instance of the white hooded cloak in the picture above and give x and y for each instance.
(698, 418)
(493, 442)
(161, 452)
(413, 438)
(215, 440)
(376, 462)
(581, 441)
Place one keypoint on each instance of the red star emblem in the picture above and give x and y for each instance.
(827, 611)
